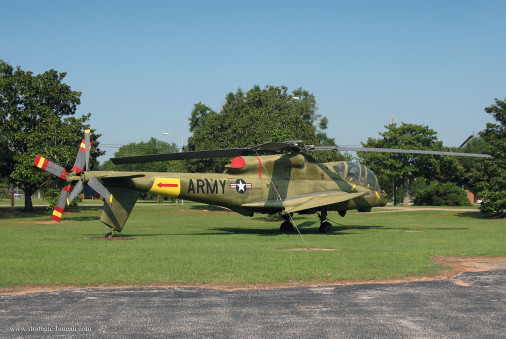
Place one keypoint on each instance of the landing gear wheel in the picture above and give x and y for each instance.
(326, 227)
(286, 226)
(109, 234)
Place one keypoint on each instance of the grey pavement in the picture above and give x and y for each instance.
(427, 309)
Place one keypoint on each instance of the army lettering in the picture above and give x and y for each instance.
(204, 186)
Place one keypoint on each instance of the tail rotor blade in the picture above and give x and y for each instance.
(80, 158)
(87, 145)
(50, 167)
(78, 188)
(61, 203)
(100, 189)
(90, 191)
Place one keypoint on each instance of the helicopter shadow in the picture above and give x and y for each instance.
(210, 208)
(305, 228)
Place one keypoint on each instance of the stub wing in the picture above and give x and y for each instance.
(307, 202)
(314, 201)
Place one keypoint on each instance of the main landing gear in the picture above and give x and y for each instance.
(286, 226)
(325, 226)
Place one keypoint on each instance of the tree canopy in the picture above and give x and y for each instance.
(36, 114)
(394, 169)
(255, 117)
(489, 175)
(152, 146)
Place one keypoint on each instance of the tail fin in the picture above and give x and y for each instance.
(116, 213)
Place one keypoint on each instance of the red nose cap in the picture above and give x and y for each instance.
(238, 162)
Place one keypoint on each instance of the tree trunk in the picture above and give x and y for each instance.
(395, 193)
(12, 194)
(406, 192)
(28, 198)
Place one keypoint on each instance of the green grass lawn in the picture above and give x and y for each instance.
(191, 245)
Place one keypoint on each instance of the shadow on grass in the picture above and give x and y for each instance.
(421, 229)
(19, 212)
(338, 230)
(474, 215)
(210, 208)
(70, 214)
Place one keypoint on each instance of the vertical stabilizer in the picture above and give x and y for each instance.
(116, 213)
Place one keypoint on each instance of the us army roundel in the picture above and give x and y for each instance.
(240, 186)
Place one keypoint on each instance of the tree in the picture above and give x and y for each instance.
(441, 194)
(394, 169)
(252, 118)
(489, 175)
(36, 114)
(474, 144)
(153, 146)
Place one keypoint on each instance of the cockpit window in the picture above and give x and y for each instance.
(340, 169)
(363, 175)
(353, 172)
(371, 180)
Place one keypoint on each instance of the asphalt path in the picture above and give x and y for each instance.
(471, 306)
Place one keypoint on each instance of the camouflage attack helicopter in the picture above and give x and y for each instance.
(275, 177)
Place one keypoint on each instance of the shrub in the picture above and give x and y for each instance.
(441, 194)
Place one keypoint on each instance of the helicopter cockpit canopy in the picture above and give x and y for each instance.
(356, 173)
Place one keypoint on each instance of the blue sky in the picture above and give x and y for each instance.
(142, 65)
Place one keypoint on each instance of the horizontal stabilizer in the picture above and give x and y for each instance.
(122, 176)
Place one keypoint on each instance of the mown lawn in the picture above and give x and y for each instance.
(199, 244)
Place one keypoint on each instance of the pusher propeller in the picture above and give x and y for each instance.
(92, 186)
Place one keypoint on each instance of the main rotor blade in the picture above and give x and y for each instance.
(268, 147)
(138, 159)
(395, 150)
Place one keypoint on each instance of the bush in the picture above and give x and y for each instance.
(439, 194)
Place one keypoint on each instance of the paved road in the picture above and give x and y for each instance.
(430, 309)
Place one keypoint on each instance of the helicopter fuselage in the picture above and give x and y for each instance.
(263, 184)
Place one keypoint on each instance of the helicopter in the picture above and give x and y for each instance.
(274, 177)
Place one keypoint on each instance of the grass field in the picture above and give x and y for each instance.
(168, 244)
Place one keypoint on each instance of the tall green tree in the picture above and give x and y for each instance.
(252, 118)
(152, 146)
(489, 175)
(36, 115)
(396, 170)
(474, 144)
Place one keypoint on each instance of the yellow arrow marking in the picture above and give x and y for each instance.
(170, 187)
